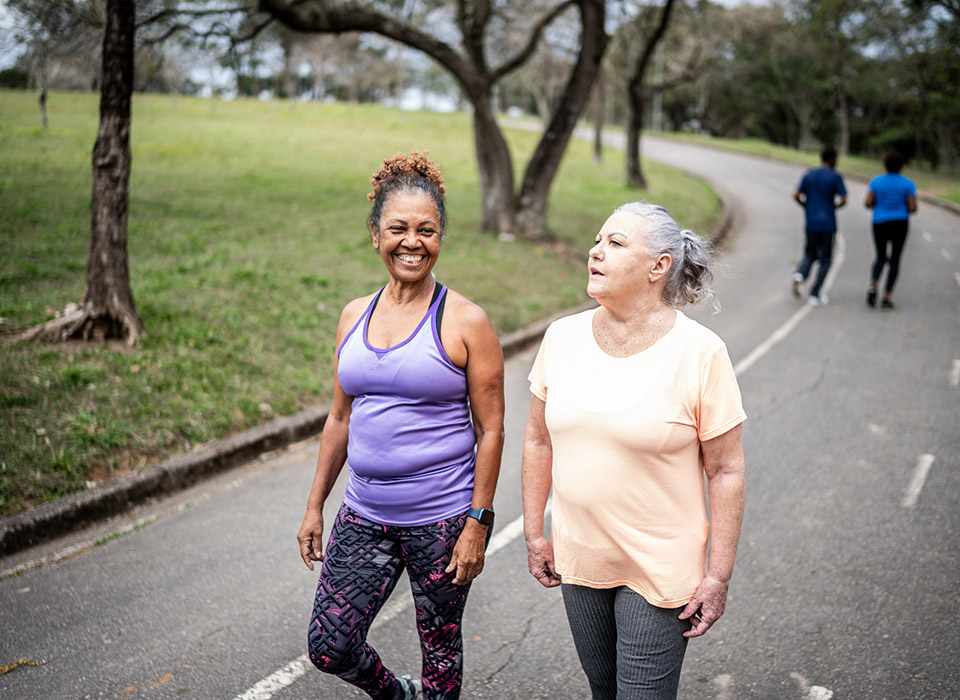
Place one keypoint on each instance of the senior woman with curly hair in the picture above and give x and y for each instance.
(633, 405)
(418, 413)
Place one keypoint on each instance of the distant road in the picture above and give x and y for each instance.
(846, 581)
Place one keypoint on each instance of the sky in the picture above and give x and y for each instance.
(8, 54)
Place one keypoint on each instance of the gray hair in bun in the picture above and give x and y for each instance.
(689, 278)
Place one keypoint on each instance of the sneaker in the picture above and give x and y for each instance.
(818, 300)
(886, 304)
(795, 286)
(409, 687)
(872, 297)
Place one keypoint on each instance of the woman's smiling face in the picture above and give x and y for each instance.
(409, 237)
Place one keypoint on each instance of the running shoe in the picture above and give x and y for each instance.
(409, 687)
(795, 285)
(818, 300)
(886, 304)
(872, 297)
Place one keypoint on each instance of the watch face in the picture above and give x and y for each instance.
(482, 514)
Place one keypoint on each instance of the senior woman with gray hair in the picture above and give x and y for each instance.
(633, 404)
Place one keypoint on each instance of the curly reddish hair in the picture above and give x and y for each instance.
(406, 173)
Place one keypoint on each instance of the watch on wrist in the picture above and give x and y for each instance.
(483, 515)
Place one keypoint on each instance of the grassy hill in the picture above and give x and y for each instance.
(246, 237)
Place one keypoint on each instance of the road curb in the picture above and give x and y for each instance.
(55, 518)
(74, 511)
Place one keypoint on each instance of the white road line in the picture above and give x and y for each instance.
(723, 682)
(946, 255)
(813, 692)
(278, 680)
(955, 373)
(285, 676)
(288, 674)
(928, 237)
(956, 276)
(920, 472)
(792, 322)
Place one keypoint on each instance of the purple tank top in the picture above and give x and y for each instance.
(411, 442)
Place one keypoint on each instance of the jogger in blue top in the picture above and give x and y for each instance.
(893, 199)
(821, 192)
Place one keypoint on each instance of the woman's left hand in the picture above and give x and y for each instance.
(706, 607)
(468, 553)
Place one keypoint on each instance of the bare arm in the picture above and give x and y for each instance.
(870, 200)
(484, 367)
(911, 203)
(840, 201)
(800, 198)
(726, 483)
(332, 455)
(536, 479)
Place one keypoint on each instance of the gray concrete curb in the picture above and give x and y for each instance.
(55, 518)
(72, 512)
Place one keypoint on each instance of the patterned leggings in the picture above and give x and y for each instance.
(362, 565)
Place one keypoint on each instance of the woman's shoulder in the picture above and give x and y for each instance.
(351, 313)
(694, 331)
(466, 315)
(568, 329)
(463, 309)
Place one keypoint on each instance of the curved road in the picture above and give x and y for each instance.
(846, 581)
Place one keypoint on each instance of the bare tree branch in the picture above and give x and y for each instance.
(319, 17)
(534, 40)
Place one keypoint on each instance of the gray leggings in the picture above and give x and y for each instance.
(629, 649)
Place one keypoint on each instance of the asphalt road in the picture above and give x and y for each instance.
(846, 583)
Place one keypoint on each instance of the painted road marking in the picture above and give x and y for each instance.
(927, 237)
(724, 684)
(956, 276)
(920, 472)
(792, 322)
(813, 692)
(955, 373)
(946, 255)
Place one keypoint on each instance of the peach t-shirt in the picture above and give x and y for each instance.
(629, 500)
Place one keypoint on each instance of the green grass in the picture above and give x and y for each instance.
(246, 238)
(940, 185)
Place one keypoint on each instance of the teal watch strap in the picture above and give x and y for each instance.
(483, 515)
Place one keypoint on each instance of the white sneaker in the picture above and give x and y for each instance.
(795, 285)
(818, 300)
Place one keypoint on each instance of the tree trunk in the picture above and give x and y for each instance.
(107, 309)
(43, 105)
(636, 101)
(843, 112)
(543, 166)
(496, 169)
(599, 115)
(108, 299)
(288, 87)
(502, 211)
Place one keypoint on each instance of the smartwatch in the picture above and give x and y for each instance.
(483, 515)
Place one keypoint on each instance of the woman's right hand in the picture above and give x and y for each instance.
(540, 562)
(310, 538)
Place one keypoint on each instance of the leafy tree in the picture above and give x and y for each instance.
(107, 309)
(636, 90)
(480, 61)
(51, 30)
